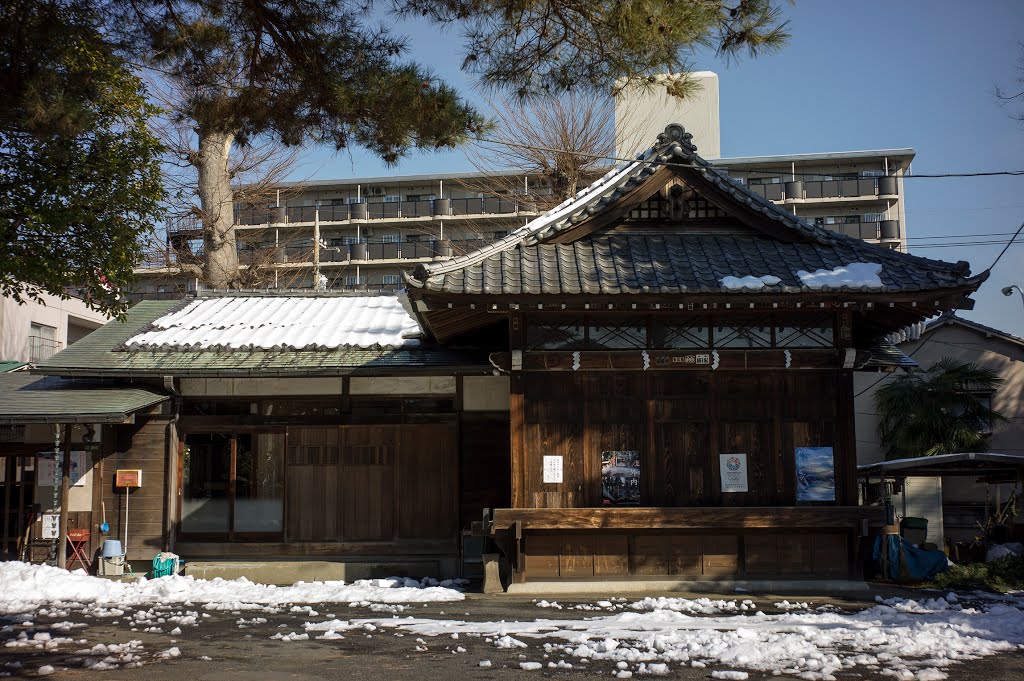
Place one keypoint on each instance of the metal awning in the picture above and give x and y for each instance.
(983, 464)
(26, 398)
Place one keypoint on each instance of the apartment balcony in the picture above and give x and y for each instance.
(378, 252)
(813, 189)
(413, 211)
(884, 231)
(40, 348)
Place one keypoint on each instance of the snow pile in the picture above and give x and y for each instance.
(906, 639)
(856, 275)
(749, 282)
(25, 587)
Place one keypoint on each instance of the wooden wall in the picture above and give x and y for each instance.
(680, 422)
(144, 446)
(707, 555)
(372, 483)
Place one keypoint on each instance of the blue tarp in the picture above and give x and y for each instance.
(902, 560)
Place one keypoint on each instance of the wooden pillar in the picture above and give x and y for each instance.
(8, 481)
(65, 494)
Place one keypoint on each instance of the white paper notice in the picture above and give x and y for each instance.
(552, 469)
(51, 526)
(733, 469)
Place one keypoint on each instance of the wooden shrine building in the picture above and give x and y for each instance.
(680, 353)
(653, 378)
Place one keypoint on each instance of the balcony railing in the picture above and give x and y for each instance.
(817, 188)
(40, 348)
(380, 250)
(381, 210)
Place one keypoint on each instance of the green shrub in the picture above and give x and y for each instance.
(1002, 575)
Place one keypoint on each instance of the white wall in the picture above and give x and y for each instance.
(16, 321)
(925, 498)
(641, 114)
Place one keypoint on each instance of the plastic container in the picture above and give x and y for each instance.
(914, 530)
(112, 548)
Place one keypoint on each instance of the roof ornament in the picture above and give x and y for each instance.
(675, 132)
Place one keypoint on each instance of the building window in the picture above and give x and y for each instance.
(42, 342)
(757, 333)
(814, 332)
(873, 217)
(233, 484)
(392, 279)
(872, 173)
(624, 335)
(569, 334)
(392, 198)
(391, 238)
(353, 280)
(688, 335)
(500, 234)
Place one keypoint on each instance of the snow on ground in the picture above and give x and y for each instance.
(25, 587)
(902, 638)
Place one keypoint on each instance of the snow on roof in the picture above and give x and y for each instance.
(282, 322)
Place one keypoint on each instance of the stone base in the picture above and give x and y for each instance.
(284, 572)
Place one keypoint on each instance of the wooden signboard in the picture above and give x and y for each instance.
(126, 477)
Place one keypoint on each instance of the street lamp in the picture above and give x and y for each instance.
(1008, 291)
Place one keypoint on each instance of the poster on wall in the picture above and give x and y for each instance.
(552, 469)
(733, 469)
(51, 526)
(49, 472)
(815, 474)
(620, 478)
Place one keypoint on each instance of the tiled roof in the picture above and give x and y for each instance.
(103, 353)
(633, 264)
(25, 398)
(278, 322)
(522, 261)
(967, 323)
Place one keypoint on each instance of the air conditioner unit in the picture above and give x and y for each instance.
(376, 191)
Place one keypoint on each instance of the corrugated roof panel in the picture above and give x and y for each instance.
(294, 323)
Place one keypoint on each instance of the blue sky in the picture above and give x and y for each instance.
(870, 74)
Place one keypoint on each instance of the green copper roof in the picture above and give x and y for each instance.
(103, 353)
(6, 366)
(25, 398)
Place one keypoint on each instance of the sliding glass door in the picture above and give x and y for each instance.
(233, 485)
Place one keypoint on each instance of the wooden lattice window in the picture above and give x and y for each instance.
(754, 332)
(648, 210)
(568, 334)
(312, 455)
(626, 334)
(813, 331)
(681, 335)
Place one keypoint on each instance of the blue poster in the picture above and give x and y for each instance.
(815, 474)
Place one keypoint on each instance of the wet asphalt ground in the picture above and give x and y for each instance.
(220, 648)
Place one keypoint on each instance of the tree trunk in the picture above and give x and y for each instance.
(220, 255)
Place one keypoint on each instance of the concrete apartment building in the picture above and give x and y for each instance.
(35, 330)
(371, 228)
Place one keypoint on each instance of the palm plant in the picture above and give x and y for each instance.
(937, 410)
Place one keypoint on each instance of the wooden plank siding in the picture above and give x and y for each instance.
(372, 483)
(679, 424)
(145, 446)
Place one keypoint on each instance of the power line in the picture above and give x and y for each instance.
(1007, 246)
(675, 164)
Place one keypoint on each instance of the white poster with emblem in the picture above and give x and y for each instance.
(552, 469)
(733, 469)
(51, 526)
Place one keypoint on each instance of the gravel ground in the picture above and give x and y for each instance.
(219, 648)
